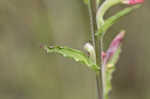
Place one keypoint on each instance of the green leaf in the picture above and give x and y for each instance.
(110, 69)
(74, 54)
(105, 6)
(108, 81)
(113, 19)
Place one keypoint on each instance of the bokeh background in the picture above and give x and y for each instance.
(27, 72)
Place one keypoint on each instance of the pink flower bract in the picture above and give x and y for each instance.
(113, 47)
(132, 2)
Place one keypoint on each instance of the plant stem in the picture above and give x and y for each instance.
(92, 13)
(96, 43)
(103, 70)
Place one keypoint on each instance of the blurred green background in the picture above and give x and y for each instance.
(26, 72)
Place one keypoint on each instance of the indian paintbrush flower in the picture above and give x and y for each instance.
(115, 44)
(132, 2)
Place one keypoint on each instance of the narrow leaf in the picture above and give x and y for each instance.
(74, 54)
(109, 73)
(112, 20)
(105, 6)
(110, 69)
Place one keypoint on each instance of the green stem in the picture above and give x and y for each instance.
(103, 69)
(96, 44)
(98, 62)
(92, 13)
(100, 21)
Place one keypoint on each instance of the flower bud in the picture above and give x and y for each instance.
(91, 51)
(132, 2)
(114, 46)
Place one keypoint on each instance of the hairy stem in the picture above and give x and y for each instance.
(96, 43)
(92, 13)
(103, 71)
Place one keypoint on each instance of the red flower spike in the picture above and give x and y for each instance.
(113, 46)
(132, 2)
